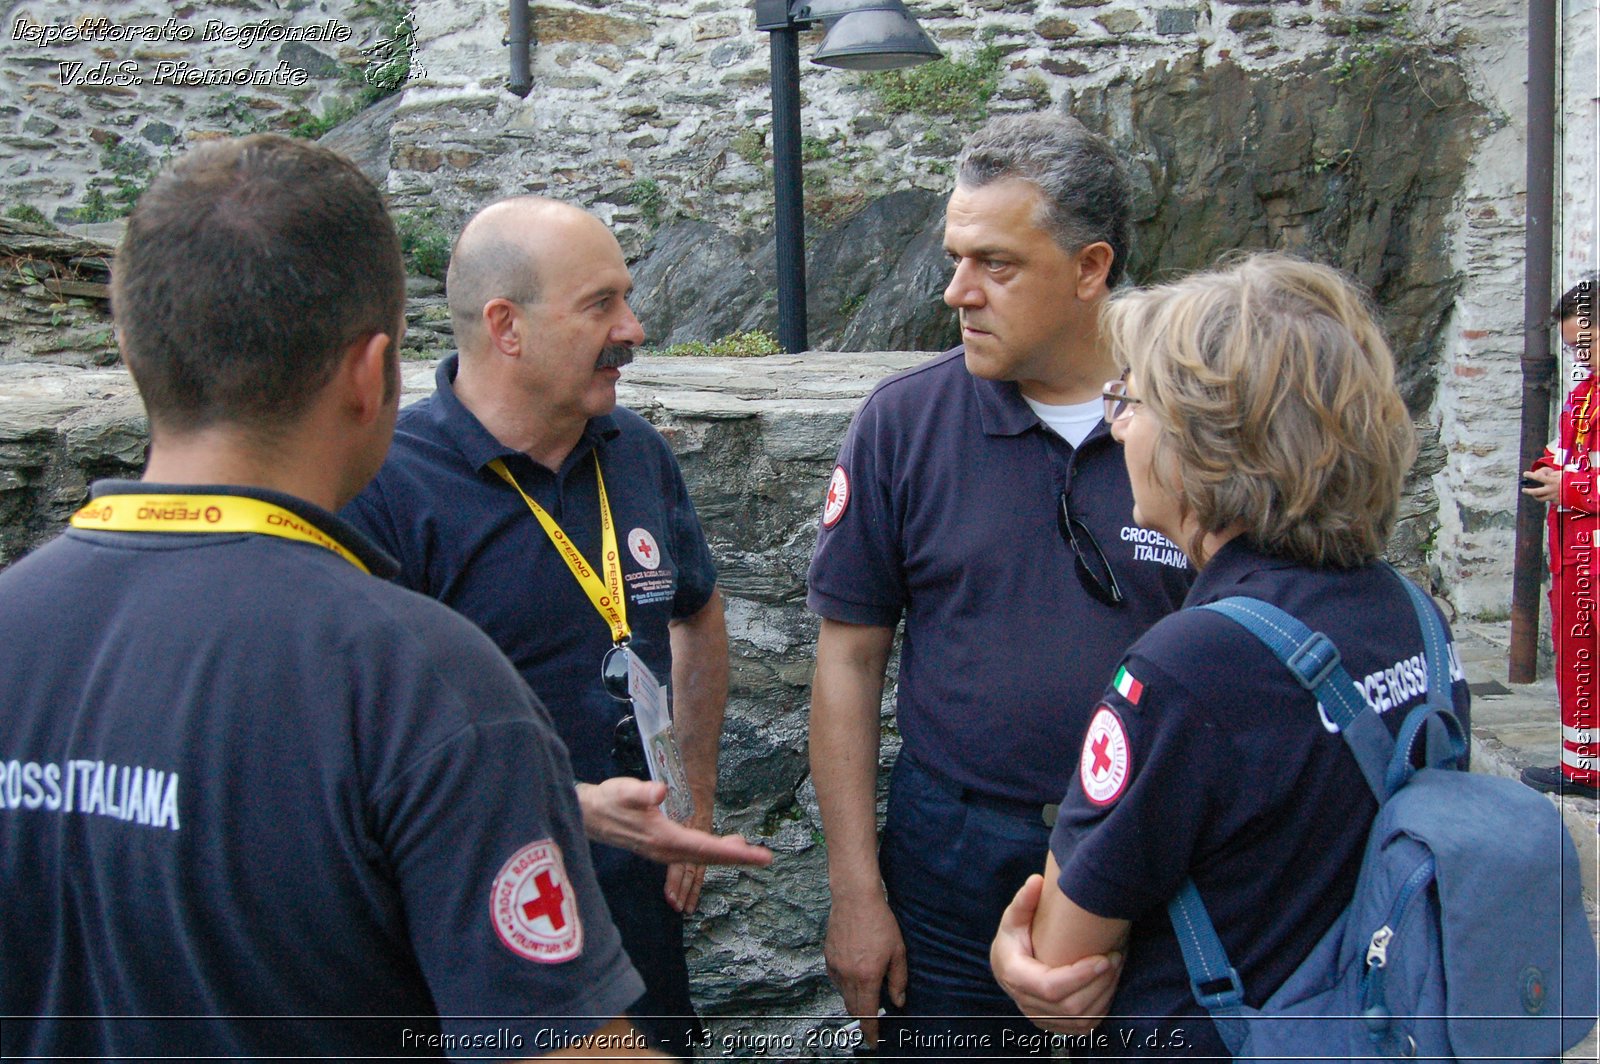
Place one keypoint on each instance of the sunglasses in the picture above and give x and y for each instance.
(1094, 571)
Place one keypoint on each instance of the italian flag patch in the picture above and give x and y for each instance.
(1127, 686)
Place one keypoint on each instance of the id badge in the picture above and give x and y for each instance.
(661, 752)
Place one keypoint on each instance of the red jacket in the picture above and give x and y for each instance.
(1575, 441)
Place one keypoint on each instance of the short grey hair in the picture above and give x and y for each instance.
(1079, 176)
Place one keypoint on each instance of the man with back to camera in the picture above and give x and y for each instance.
(250, 789)
(522, 451)
(980, 497)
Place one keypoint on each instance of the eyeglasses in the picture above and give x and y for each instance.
(626, 748)
(1094, 571)
(1118, 403)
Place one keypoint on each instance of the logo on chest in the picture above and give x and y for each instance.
(642, 545)
(656, 583)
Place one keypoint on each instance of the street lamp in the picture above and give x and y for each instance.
(861, 35)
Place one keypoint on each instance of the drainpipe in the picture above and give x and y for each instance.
(521, 81)
(1538, 362)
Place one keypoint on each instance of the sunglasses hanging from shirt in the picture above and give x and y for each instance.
(1094, 569)
(623, 674)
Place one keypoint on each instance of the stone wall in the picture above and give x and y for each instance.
(1303, 157)
(94, 97)
(662, 110)
(1480, 381)
(60, 429)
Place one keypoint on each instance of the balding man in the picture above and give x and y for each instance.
(523, 446)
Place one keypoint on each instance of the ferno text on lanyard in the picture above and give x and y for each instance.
(607, 596)
(204, 513)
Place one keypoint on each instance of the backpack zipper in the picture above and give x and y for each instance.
(1372, 980)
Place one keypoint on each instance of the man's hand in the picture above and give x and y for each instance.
(1548, 488)
(864, 952)
(684, 878)
(626, 812)
(1069, 1000)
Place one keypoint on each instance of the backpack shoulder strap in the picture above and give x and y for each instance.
(1213, 980)
(1445, 740)
(1315, 663)
(1435, 641)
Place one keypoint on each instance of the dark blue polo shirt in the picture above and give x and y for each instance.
(239, 778)
(951, 487)
(465, 537)
(1227, 773)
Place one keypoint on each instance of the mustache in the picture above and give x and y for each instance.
(614, 356)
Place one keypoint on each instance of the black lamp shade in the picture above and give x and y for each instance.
(882, 36)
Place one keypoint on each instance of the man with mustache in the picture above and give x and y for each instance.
(520, 494)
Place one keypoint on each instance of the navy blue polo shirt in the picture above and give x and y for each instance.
(241, 778)
(463, 536)
(943, 509)
(1207, 758)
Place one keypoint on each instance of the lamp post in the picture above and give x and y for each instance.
(861, 35)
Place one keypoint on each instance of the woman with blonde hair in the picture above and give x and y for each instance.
(1264, 435)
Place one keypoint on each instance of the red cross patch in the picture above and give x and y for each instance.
(533, 908)
(1106, 761)
(838, 498)
(642, 545)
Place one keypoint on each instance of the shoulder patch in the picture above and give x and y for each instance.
(1106, 761)
(838, 497)
(533, 907)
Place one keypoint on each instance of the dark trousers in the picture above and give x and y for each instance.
(951, 864)
(652, 935)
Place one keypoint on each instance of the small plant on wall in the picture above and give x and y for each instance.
(424, 243)
(955, 88)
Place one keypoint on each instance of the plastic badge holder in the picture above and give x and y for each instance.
(660, 742)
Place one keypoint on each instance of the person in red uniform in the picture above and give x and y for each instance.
(1564, 478)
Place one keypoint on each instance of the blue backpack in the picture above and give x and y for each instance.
(1466, 935)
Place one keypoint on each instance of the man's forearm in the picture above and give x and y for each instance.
(845, 698)
(700, 696)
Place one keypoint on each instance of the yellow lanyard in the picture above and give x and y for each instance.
(204, 513)
(607, 597)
